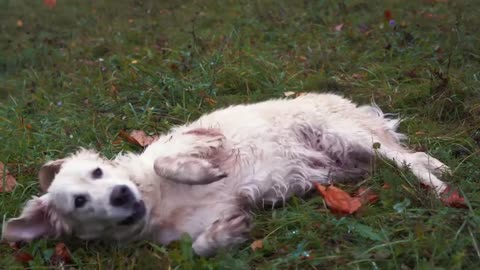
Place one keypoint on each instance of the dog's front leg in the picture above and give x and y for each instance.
(223, 233)
(188, 157)
(188, 170)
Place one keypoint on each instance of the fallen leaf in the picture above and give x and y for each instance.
(338, 27)
(210, 101)
(137, 137)
(165, 11)
(429, 15)
(142, 138)
(366, 195)
(23, 257)
(50, 3)
(412, 73)
(257, 244)
(302, 58)
(387, 14)
(19, 23)
(358, 76)
(117, 141)
(61, 255)
(288, 93)
(386, 186)
(452, 198)
(10, 181)
(337, 200)
(114, 90)
(419, 133)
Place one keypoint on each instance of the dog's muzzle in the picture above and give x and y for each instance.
(139, 211)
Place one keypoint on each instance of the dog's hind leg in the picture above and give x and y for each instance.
(425, 167)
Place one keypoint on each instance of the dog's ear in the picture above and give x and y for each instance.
(48, 172)
(33, 222)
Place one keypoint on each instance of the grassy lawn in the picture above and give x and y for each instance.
(77, 74)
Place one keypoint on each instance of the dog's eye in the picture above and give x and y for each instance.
(80, 201)
(97, 173)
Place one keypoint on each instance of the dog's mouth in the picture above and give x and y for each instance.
(139, 211)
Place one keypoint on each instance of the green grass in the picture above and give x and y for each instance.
(77, 74)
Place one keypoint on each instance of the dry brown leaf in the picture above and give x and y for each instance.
(339, 201)
(62, 254)
(433, 16)
(142, 138)
(117, 141)
(366, 195)
(452, 198)
(22, 257)
(358, 76)
(114, 90)
(50, 3)
(302, 58)
(138, 137)
(257, 244)
(19, 23)
(10, 181)
(210, 101)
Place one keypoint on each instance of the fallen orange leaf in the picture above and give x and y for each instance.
(142, 138)
(137, 137)
(22, 257)
(452, 198)
(50, 3)
(337, 200)
(358, 76)
(61, 255)
(210, 101)
(366, 195)
(257, 244)
(10, 181)
(429, 15)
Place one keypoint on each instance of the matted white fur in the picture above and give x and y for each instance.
(203, 178)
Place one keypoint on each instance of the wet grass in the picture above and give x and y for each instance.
(77, 74)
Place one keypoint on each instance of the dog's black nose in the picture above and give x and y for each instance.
(121, 196)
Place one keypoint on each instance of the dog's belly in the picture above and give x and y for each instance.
(278, 168)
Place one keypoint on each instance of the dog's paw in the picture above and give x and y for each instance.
(188, 170)
(205, 140)
(223, 233)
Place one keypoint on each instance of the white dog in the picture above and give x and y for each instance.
(203, 178)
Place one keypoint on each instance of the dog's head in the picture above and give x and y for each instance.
(86, 196)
